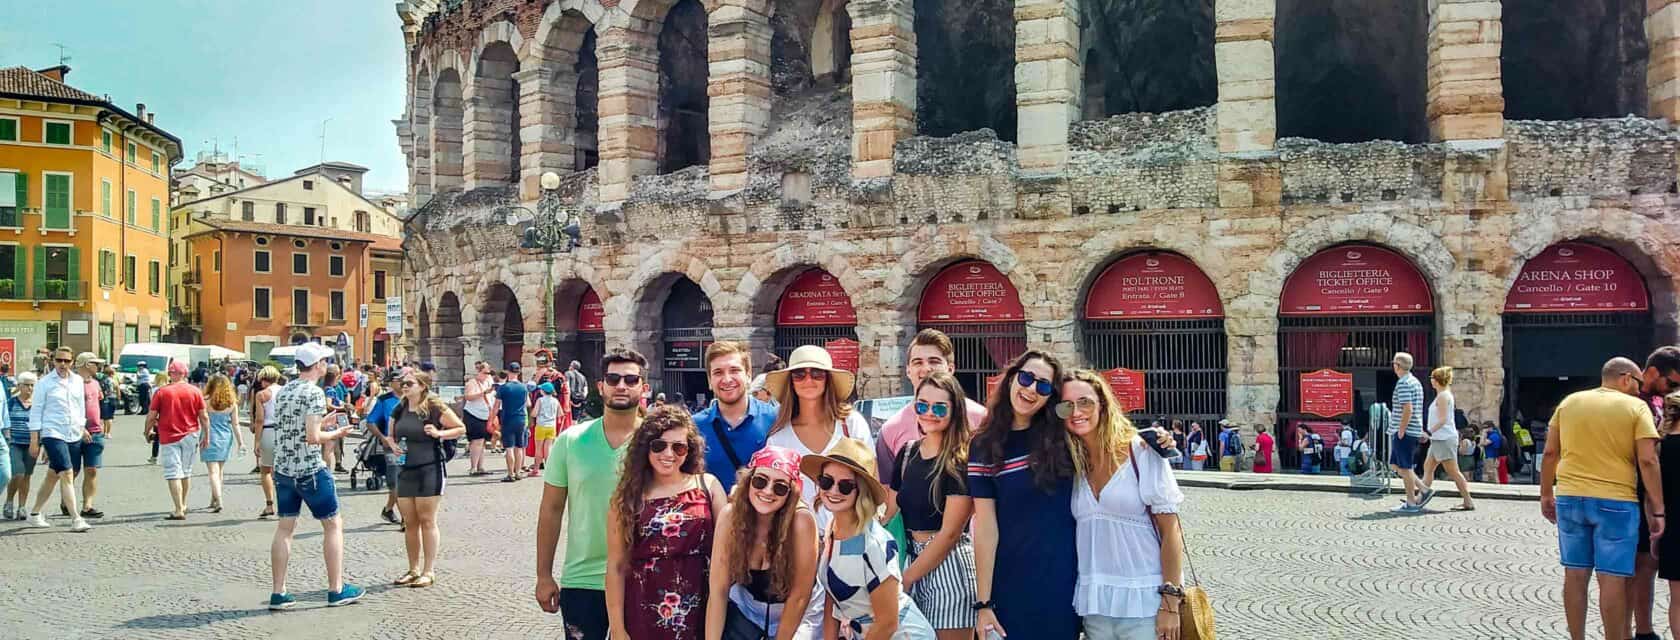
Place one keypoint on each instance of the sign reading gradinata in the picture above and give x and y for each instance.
(1577, 277)
(970, 291)
(1355, 280)
(815, 299)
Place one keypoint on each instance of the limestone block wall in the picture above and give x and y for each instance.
(1591, 157)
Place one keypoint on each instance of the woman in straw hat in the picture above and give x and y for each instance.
(814, 416)
(859, 562)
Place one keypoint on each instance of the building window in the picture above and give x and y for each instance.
(259, 263)
(300, 264)
(216, 260)
(156, 164)
(107, 268)
(53, 334)
(336, 246)
(57, 133)
(248, 211)
(12, 269)
(379, 285)
(154, 277)
(157, 215)
(262, 241)
(171, 254)
(57, 273)
(335, 266)
(336, 300)
(105, 142)
(12, 215)
(105, 329)
(154, 335)
(297, 244)
(56, 204)
(131, 267)
(105, 198)
(363, 224)
(259, 303)
(300, 306)
(131, 333)
(279, 213)
(133, 203)
(133, 153)
(308, 185)
(309, 216)
(9, 129)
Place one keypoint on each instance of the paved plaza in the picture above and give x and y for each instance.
(1279, 564)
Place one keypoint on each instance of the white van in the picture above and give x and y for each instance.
(157, 356)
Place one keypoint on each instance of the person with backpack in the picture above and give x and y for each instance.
(1230, 447)
(420, 425)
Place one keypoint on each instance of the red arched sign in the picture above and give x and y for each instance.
(591, 319)
(1577, 277)
(1152, 285)
(1355, 280)
(815, 299)
(970, 291)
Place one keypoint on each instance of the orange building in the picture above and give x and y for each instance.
(84, 187)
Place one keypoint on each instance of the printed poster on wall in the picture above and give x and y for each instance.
(1577, 277)
(8, 353)
(1128, 386)
(591, 318)
(844, 351)
(1326, 393)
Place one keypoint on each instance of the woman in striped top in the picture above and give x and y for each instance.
(17, 446)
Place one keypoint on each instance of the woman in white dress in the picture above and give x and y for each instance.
(815, 413)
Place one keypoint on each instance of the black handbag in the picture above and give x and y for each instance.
(736, 626)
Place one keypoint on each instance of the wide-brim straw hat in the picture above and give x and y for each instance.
(811, 357)
(856, 456)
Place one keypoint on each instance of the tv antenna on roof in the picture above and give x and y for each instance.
(63, 58)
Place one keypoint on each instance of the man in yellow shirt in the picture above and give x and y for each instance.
(1603, 442)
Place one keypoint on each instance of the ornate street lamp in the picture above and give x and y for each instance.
(546, 231)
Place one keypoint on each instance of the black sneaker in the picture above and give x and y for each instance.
(92, 514)
(389, 516)
(509, 479)
(64, 511)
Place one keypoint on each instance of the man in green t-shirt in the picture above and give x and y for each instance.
(583, 468)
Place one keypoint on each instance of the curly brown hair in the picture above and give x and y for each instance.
(745, 520)
(637, 474)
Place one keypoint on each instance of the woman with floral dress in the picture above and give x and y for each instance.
(659, 534)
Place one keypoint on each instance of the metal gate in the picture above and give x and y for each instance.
(1361, 345)
(1557, 353)
(789, 338)
(1183, 363)
(982, 350)
(684, 363)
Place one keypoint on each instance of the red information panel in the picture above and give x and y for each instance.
(992, 384)
(1327, 393)
(844, 351)
(1153, 285)
(815, 299)
(1128, 388)
(8, 352)
(1575, 276)
(970, 291)
(1355, 280)
(590, 315)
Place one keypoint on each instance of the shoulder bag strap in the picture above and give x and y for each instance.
(1183, 541)
(723, 439)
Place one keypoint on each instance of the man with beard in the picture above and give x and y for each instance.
(583, 467)
(736, 424)
(1660, 377)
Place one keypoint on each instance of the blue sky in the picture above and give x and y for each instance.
(266, 72)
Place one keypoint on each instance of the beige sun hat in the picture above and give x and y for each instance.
(852, 453)
(811, 357)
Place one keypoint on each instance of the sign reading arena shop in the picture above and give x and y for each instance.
(1355, 280)
(815, 299)
(1152, 285)
(591, 318)
(970, 291)
(1577, 277)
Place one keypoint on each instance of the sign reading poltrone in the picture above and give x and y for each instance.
(970, 291)
(1152, 285)
(1327, 393)
(1577, 277)
(1355, 280)
(815, 299)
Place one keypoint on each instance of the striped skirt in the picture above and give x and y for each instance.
(946, 596)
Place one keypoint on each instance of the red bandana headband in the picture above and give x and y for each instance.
(778, 458)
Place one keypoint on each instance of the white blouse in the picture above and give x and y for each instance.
(1119, 553)
(854, 427)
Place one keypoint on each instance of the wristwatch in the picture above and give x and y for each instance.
(1170, 589)
(983, 604)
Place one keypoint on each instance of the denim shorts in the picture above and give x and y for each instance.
(316, 490)
(1595, 533)
(58, 454)
(1404, 454)
(87, 454)
(22, 462)
(514, 436)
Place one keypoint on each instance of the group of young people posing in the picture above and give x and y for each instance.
(1042, 515)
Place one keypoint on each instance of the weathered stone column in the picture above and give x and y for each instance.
(446, 136)
(1243, 59)
(629, 132)
(419, 125)
(1662, 70)
(739, 72)
(1048, 77)
(545, 116)
(488, 134)
(883, 82)
(1466, 99)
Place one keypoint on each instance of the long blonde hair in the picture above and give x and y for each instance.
(1114, 432)
(743, 524)
(220, 393)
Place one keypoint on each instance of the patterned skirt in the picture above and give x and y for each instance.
(946, 596)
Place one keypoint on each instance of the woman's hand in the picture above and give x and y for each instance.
(986, 624)
(1166, 624)
(431, 431)
(619, 634)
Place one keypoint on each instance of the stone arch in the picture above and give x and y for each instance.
(1097, 252)
(769, 277)
(448, 351)
(564, 52)
(1627, 233)
(1351, 70)
(492, 114)
(972, 44)
(423, 331)
(1417, 244)
(651, 303)
(501, 325)
(1147, 57)
(446, 130)
(684, 100)
(498, 31)
(831, 43)
(589, 10)
(903, 289)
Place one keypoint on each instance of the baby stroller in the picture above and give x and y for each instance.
(371, 458)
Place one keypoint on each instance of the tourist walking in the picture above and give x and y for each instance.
(224, 433)
(578, 386)
(930, 352)
(1603, 443)
(511, 398)
(860, 562)
(6, 457)
(143, 387)
(765, 556)
(421, 423)
(583, 470)
(1492, 445)
(814, 416)
(263, 421)
(88, 454)
(735, 425)
(1230, 447)
(57, 417)
(301, 478)
(1126, 506)
(548, 424)
(19, 455)
(1405, 424)
(659, 533)
(178, 413)
(930, 490)
(475, 412)
(338, 399)
(1442, 432)
(377, 424)
(1264, 445)
(1021, 476)
(1196, 447)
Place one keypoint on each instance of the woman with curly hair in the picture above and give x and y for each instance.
(223, 405)
(659, 532)
(766, 554)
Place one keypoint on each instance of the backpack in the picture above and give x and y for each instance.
(1317, 442)
(1358, 461)
(1232, 443)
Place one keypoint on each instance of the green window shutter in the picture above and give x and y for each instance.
(105, 199)
(56, 202)
(20, 273)
(40, 271)
(58, 133)
(157, 215)
(22, 188)
(8, 129)
(73, 288)
(105, 141)
(131, 207)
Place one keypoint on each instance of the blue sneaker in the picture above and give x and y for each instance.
(350, 593)
(280, 601)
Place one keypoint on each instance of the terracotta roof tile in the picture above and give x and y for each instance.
(299, 231)
(25, 82)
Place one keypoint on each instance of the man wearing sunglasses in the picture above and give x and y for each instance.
(58, 417)
(583, 469)
(930, 352)
(1660, 378)
(736, 425)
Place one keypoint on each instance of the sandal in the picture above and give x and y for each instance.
(174, 517)
(425, 580)
(1464, 508)
(216, 507)
(406, 579)
(267, 512)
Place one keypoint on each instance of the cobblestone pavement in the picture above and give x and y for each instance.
(1279, 565)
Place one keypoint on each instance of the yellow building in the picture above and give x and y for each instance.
(84, 192)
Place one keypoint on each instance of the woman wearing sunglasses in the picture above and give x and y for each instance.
(659, 534)
(931, 490)
(1126, 505)
(765, 554)
(814, 415)
(1020, 474)
(860, 559)
(421, 425)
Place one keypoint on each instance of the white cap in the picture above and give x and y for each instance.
(757, 383)
(310, 353)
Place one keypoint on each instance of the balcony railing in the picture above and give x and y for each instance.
(11, 289)
(192, 278)
(59, 290)
(10, 217)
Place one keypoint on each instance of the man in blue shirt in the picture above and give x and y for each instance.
(379, 419)
(735, 425)
(512, 399)
(338, 396)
